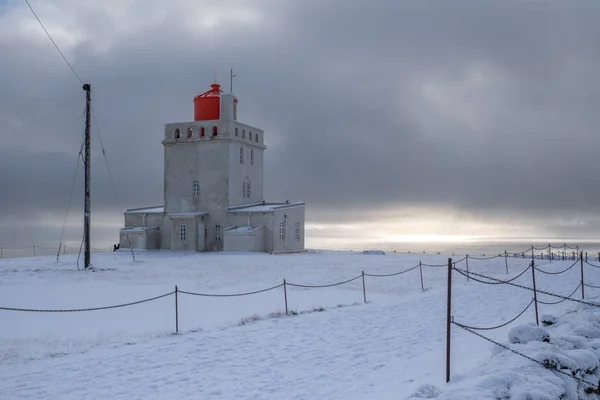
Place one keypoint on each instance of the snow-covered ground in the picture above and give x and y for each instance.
(393, 347)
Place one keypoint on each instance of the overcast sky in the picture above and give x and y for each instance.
(389, 118)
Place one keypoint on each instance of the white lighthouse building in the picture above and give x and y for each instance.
(213, 189)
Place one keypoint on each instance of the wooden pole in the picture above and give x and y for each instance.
(467, 259)
(448, 320)
(506, 261)
(87, 158)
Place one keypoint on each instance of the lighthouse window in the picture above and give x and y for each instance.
(252, 157)
(250, 136)
(177, 133)
(256, 138)
(241, 155)
(202, 132)
(196, 188)
(236, 131)
(182, 233)
(218, 232)
(189, 132)
(214, 131)
(243, 134)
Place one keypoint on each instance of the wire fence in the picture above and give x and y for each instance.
(36, 251)
(581, 259)
(460, 267)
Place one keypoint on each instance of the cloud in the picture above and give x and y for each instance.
(486, 108)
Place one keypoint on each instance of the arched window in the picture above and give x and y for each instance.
(236, 131)
(189, 132)
(202, 132)
(241, 155)
(196, 188)
(214, 131)
(182, 233)
(243, 134)
(256, 138)
(250, 136)
(177, 133)
(251, 157)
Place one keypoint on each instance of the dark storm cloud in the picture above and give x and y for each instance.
(488, 107)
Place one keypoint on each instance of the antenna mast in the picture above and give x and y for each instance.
(231, 76)
(87, 159)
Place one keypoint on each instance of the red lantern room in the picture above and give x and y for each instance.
(207, 106)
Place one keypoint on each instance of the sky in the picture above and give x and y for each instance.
(393, 120)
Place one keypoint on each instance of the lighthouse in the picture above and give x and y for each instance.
(213, 189)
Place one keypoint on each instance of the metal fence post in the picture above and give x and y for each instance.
(582, 284)
(64, 249)
(532, 253)
(364, 289)
(34, 250)
(506, 261)
(421, 273)
(448, 319)
(285, 296)
(537, 320)
(176, 311)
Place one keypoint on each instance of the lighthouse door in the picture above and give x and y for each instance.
(201, 237)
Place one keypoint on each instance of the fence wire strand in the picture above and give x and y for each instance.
(528, 288)
(323, 286)
(558, 273)
(393, 274)
(86, 309)
(491, 328)
(560, 301)
(498, 281)
(592, 265)
(232, 294)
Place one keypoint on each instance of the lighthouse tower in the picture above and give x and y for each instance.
(211, 164)
(213, 189)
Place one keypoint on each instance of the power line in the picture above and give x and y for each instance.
(54, 43)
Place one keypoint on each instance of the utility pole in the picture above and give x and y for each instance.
(86, 160)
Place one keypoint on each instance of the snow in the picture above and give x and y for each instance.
(332, 346)
(147, 210)
(241, 229)
(266, 207)
(527, 333)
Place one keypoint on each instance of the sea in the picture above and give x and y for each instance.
(447, 248)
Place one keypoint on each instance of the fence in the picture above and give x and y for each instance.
(28, 251)
(581, 261)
